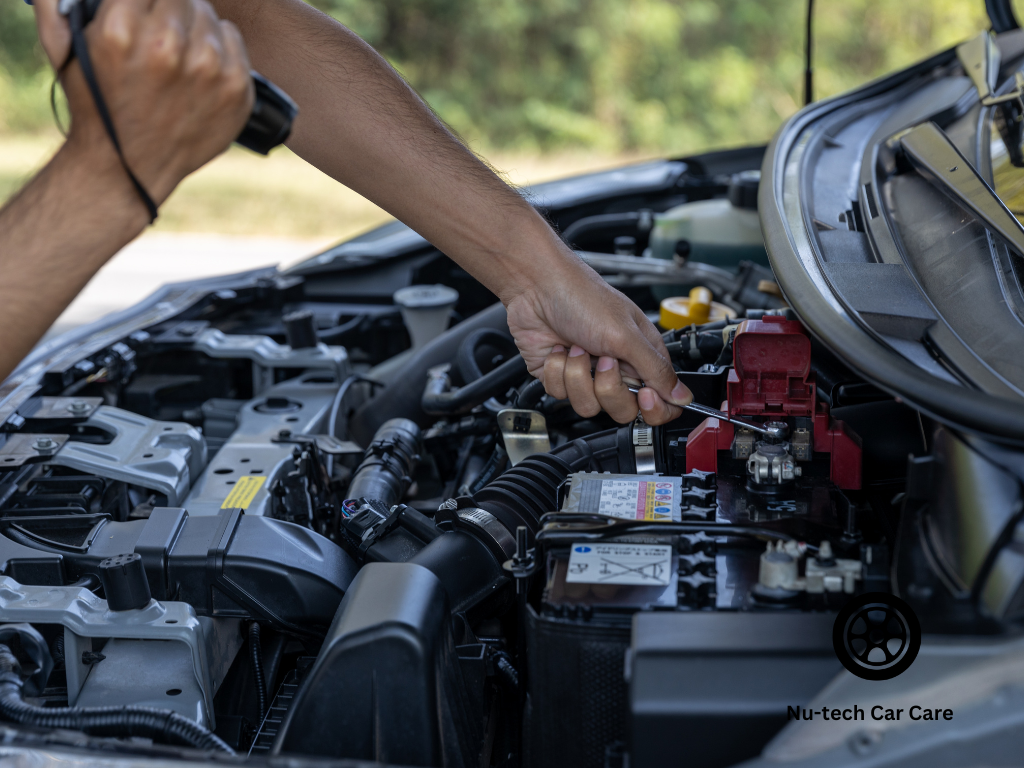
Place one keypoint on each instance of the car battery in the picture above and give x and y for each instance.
(653, 498)
(578, 626)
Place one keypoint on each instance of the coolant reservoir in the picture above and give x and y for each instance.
(720, 232)
(697, 308)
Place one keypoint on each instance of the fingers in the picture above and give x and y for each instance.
(655, 410)
(206, 50)
(118, 23)
(579, 383)
(655, 369)
(168, 29)
(237, 57)
(612, 392)
(554, 372)
(569, 375)
(54, 35)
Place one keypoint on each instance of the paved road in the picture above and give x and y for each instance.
(158, 258)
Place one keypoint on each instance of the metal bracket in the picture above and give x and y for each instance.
(158, 455)
(86, 615)
(60, 408)
(266, 355)
(327, 444)
(19, 448)
(525, 433)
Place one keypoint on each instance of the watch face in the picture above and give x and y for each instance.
(876, 636)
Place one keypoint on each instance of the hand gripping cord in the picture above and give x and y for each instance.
(75, 12)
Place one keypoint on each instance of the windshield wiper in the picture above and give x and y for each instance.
(931, 153)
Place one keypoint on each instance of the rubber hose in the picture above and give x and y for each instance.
(148, 722)
(384, 473)
(603, 224)
(494, 466)
(522, 494)
(607, 451)
(530, 394)
(332, 335)
(438, 400)
(256, 659)
(500, 344)
(405, 384)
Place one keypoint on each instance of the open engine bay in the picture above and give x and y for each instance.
(314, 518)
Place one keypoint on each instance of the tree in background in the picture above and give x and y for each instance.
(670, 76)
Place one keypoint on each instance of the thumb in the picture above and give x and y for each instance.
(54, 33)
(662, 388)
(657, 373)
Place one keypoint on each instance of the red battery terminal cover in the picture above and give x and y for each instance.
(771, 378)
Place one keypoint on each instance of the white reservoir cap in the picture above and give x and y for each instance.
(426, 310)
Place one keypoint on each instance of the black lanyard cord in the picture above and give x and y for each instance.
(80, 51)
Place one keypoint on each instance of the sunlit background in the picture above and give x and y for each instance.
(541, 88)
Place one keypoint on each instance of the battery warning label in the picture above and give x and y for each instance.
(655, 500)
(648, 565)
(244, 492)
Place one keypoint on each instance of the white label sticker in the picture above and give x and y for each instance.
(635, 564)
(655, 500)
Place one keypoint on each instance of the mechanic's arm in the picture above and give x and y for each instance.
(363, 125)
(176, 81)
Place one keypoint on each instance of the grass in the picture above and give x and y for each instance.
(280, 196)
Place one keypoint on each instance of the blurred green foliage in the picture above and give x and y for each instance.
(608, 75)
(24, 79)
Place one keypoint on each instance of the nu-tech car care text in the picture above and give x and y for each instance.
(855, 712)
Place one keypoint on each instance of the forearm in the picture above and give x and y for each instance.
(360, 123)
(54, 235)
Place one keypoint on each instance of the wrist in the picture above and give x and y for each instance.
(535, 255)
(96, 179)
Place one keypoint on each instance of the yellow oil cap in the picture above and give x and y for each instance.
(697, 308)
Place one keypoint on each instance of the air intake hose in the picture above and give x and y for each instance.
(480, 532)
(522, 494)
(389, 460)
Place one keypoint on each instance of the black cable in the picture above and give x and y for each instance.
(528, 395)
(340, 395)
(494, 465)
(602, 527)
(1000, 13)
(507, 672)
(162, 725)
(332, 419)
(327, 335)
(256, 658)
(809, 56)
(80, 50)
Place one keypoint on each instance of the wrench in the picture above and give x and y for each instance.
(769, 430)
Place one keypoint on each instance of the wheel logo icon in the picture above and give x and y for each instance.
(876, 636)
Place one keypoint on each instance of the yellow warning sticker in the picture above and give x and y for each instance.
(244, 492)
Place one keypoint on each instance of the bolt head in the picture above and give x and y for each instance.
(44, 444)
